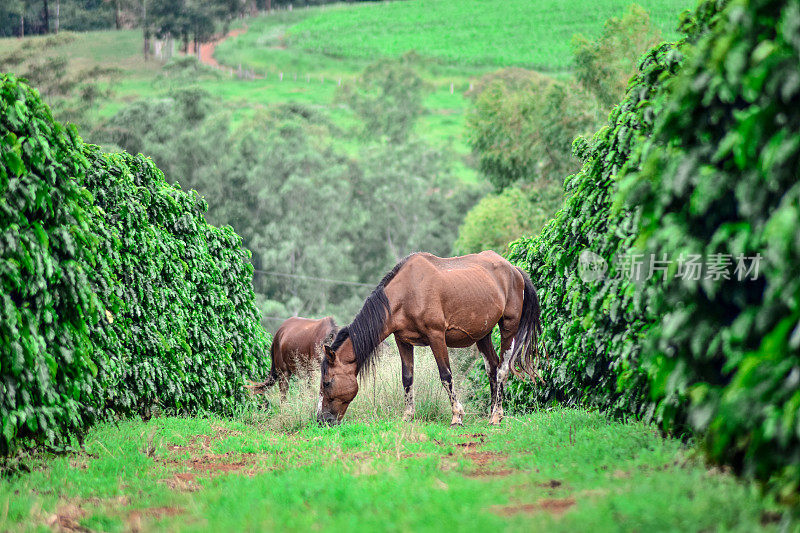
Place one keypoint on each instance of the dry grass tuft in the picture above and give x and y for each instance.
(380, 395)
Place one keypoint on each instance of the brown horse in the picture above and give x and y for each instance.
(431, 301)
(297, 348)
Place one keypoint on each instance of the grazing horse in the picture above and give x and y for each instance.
(438, 302)
(296, 348)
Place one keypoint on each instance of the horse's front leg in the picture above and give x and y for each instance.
(407, 360)
(439, 348)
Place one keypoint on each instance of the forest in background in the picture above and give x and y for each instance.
(327, 204)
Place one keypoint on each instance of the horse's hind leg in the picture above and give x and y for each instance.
(407, 360)
(506, 348)
(439, 348)
(491, 363)
(283, 385)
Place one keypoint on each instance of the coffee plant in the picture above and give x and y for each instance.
(118, 297)
(720, 179)
(49, 366)
(699, 160)
(592, 327)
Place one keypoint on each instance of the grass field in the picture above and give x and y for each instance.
(275, 469)
(560, 470)
(534, 34)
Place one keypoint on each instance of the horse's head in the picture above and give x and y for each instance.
(339, 383)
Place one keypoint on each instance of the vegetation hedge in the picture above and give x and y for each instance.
(720, 178)
(118, 296)
(49, 386)
(699, 159)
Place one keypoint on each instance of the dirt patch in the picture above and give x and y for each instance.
(221, 463)
(553, 506)
(207, 49)
(477, 440)
(557, 506)
(479, 436)
(410, 455)
(159, 512)
(488, 464)
(208, 465)
(136, 516)
(620, 474)
(202, 462)
(182, 482)
(199, 443)
(67, 518)
(484, 473)
(481, 459)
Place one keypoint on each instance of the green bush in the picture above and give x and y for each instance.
(117, 295)
(726, 352)
(701, 162)
(503, 217)
(49, 384)
(189, 310)
(593, 328)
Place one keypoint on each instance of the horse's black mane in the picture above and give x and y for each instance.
(366, 328)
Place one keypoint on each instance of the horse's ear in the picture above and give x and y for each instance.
(329, 353)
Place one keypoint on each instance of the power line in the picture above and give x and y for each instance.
(313, 278)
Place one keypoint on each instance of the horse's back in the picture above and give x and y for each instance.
(465, 295)
(481, 273)
(298, 338)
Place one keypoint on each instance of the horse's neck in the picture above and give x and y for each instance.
(390, 326)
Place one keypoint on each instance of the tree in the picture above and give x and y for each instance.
(503, 217)
(604, 66)
(406, 200)
(189, 20)
(387, 97)
(303, 205)
(522, 124)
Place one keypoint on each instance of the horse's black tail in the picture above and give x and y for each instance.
(272, 378)
(525, 352)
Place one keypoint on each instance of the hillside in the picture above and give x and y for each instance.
(521, 33)
(315, 50)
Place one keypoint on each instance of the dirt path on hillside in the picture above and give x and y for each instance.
(207, 49)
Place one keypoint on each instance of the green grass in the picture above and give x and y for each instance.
(108, 48)
(535, 34)
(559, 470)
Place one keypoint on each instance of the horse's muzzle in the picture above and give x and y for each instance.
(326, 418)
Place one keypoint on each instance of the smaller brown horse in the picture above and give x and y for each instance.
(297, 349)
